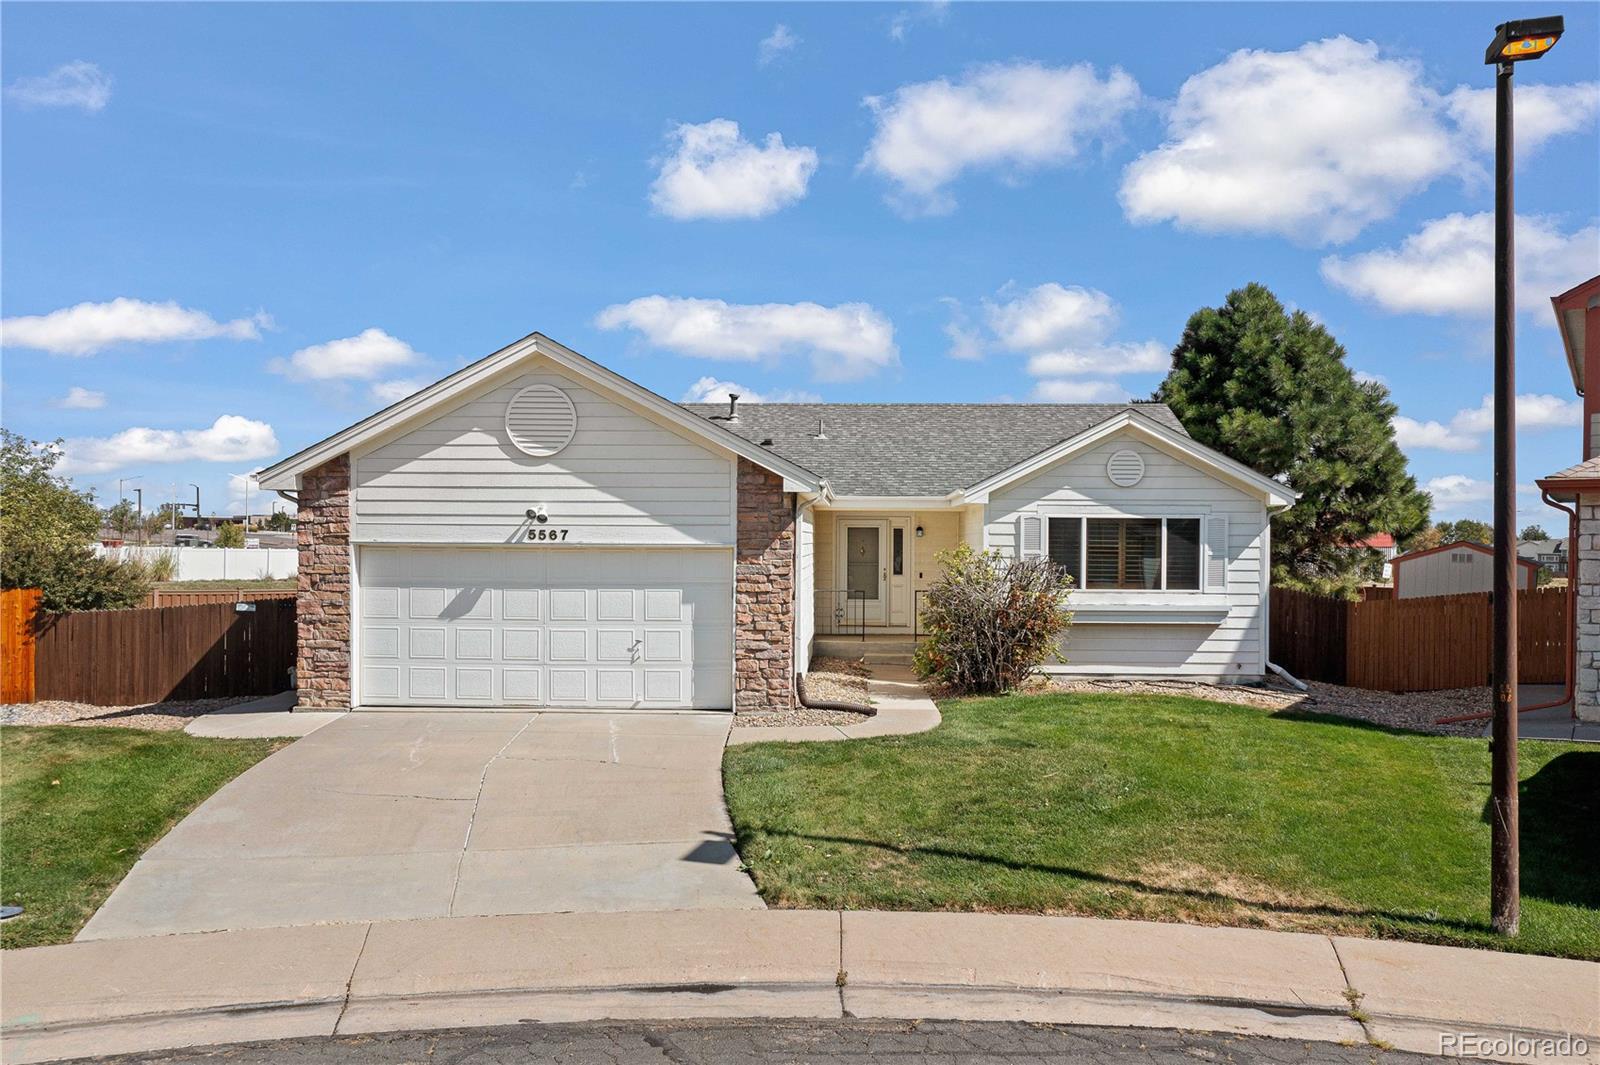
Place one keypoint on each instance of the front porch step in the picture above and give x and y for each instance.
(874, 650)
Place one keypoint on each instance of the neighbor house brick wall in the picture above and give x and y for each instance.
(764, 572)
(322, 606)
(1584, 568)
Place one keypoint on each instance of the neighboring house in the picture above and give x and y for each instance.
(535, 530)
(1551, 555)
(1576, 489)
(1384, 545)
(1457, 568)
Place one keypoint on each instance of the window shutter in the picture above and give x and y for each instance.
(1216, 554)
(1030, 536)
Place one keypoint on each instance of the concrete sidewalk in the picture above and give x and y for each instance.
(901, 702)
(115, 996)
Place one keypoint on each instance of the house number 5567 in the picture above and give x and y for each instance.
(547, 534)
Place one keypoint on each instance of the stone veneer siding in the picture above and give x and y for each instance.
(322, 604)
(763, 594)
(1583, 560)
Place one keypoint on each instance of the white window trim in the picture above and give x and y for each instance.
(1082, 516)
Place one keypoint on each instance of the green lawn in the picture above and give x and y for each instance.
(1170, 808)
(79, 805)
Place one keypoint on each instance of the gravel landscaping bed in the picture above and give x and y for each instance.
(159, 717)
(1413, 711)
(831, 679)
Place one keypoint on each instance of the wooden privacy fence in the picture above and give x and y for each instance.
(123, 657)
(17, 609)
(168, 597)
(1422, 644)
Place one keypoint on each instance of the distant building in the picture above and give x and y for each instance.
(1383, 544)
(1457, 568)
(1551, 555)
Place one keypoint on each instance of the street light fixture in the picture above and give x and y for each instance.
(1513, 42)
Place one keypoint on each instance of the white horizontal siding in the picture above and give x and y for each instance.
(805, 588)
(623, 480)
(1232, 649)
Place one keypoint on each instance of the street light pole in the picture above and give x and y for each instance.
(1513, 42)
(1504, 887)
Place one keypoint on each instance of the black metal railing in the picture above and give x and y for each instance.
(841, 612)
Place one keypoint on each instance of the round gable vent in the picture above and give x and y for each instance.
(540, 420)
(1125, 468)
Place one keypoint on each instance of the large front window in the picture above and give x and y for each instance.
(1146, 554)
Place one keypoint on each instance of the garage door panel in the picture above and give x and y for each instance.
(594, 627)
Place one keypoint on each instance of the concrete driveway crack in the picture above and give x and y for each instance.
(483, 778)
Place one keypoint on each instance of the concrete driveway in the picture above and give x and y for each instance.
(383, 816)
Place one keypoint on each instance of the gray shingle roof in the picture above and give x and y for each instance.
(915, 449)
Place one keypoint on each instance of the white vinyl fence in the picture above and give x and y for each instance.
(219, 563)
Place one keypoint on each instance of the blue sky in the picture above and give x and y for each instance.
(230, 230)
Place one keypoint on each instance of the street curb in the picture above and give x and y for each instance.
(126, 996)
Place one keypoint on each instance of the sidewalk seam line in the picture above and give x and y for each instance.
(1348, 986)
(349, 983)
(472, 819)
(843, 977)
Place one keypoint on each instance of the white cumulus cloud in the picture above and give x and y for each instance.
(398, 389)
(1468, 429)
(1051, 315)
(713, 172)
(1145, 357)
(966, 341)
(710, 390)
(86, 328)
(782, 39)
(1065, 331)
(1411, 435)
(1447, 266)
(79, 84)
(1078, 390)
(80, 398)
(844, 342)
(1313, 144)
(1543, 113)
(1456, 490)
(1012, 117)
(231, 438)
(371, 353)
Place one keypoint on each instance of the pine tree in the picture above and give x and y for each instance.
(1271, 389)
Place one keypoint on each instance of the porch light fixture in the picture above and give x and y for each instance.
(919, 532)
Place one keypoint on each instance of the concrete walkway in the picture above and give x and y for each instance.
(386, 816)
(268, 718)
(128, 995)
(901, 702)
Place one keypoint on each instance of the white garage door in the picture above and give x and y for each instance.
(567, 627)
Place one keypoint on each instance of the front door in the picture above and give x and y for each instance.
(865, 573)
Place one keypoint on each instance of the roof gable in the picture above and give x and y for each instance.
(1133, 420)
(433, 399)
(915, 449)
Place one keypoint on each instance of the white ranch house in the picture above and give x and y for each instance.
(536, 530)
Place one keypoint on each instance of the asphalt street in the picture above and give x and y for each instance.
(781, 1043)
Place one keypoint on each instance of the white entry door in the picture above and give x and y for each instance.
(865, 576)
(556, 627)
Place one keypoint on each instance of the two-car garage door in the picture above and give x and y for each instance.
(562, 627)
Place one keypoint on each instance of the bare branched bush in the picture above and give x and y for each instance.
(991, 620)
